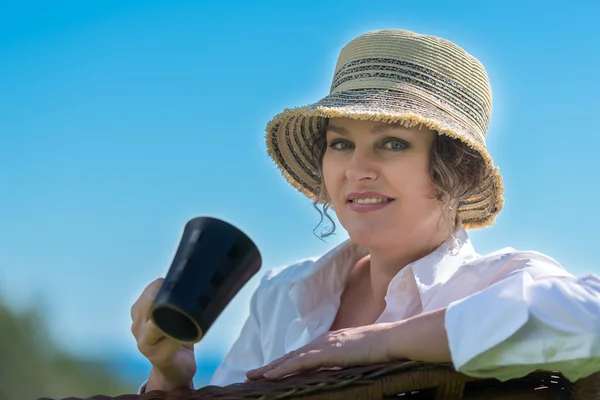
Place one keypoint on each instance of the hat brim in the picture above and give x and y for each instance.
(288, 134)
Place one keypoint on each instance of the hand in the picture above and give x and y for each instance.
(173, 363)
(364, 345)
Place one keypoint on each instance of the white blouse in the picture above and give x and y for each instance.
(508, 313)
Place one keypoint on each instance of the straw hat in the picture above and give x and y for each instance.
(402, 77)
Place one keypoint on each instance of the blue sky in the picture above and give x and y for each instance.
(121, 120)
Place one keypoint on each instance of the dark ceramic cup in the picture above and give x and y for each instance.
(213, 262)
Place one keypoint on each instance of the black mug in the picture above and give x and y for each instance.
(213, 262)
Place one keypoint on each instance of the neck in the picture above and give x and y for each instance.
(386, 261)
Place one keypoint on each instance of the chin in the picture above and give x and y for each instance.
(365, 234)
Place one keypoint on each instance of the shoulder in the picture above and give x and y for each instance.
(289, 273)
(303, 268)
(508, 260)
(271, 304)
(284, 276)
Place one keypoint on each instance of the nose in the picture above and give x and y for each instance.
(362, 166)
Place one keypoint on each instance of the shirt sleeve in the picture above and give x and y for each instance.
(246, 352)
(529, 320)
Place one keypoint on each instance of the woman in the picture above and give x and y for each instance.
(397, 151)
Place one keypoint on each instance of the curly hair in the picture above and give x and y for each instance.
(456, 172)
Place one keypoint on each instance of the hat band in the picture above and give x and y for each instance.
(377, 75)
(424, 71)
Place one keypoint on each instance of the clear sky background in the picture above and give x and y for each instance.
(122, 120)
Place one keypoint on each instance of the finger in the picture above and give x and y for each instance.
(140, 311)
(152, 289)
(302, 363)
(150, 334)
(141, 308)
(162, 353)
(148, 296)
(258, 372)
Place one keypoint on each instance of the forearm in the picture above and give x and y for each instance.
(166, 381)
(421, 338)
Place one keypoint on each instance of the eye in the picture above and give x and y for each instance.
(340, 144)
(395, 144)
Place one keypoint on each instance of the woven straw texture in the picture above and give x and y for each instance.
(396, 76)
(399, 380)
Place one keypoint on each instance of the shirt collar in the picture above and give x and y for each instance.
(327, 275)
(435, 269)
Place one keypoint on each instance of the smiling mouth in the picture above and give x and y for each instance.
(371, 200)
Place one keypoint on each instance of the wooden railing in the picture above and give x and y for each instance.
(399, 380)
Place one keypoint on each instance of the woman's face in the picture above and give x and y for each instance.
(377, 177)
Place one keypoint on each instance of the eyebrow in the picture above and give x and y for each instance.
(376, 129)
(338, 129)
(386, 127)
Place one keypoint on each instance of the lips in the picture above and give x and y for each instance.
(368, 198)
(368, 201)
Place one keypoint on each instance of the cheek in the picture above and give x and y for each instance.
(424, 186)
(411, 177)
(331, 179)
(415, 189)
